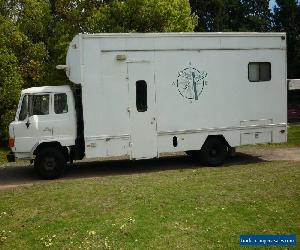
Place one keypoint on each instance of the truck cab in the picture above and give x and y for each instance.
(45, 118)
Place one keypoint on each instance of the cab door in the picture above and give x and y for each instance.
(33, 122)
(63, 118)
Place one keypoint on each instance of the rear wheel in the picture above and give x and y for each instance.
(50, 163)
(214, 151)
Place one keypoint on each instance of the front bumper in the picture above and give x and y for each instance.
(11, 157)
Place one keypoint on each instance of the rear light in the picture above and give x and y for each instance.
(11, 142)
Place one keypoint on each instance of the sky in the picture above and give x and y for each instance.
(272, 3)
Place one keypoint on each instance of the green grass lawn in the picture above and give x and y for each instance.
(201, 208)
(3, 152)
(294, 135)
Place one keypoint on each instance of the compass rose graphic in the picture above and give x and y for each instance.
(190, 82)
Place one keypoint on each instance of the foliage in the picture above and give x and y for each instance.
(254, 15)
(142, 16)
(35, 35)
(257, 15)
(287, 18)
(232, 15)
(21, 66)
(217, 15)
(10, 86)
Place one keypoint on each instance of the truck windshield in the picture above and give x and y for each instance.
(24, 108)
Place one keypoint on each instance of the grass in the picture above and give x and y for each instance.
(293, 135)
(200, 208)
(3, 152)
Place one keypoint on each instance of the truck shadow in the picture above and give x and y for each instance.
(15, 175)
(125, 167)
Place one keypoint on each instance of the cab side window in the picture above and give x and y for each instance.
(40, 104)
(60, 103)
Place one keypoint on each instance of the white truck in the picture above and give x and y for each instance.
(141, 95)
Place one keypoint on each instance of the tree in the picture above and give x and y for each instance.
(21, 66)
(257, 15)
(74, 16)
(10, 77)
(218, 15)
(35, 35)
(142, 16)
(10, 87)
(232, 15)
(287, 19)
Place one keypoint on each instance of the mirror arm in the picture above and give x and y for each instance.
(27, 122)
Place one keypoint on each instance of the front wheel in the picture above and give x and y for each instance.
(214, 151)
(50, 163)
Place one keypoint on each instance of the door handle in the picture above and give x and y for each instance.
(47, 130)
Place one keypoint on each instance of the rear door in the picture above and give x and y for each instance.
(142, 105)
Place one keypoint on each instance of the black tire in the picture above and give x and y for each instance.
(214, 151)
(50, 163)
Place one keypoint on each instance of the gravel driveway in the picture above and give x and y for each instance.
(22, 173)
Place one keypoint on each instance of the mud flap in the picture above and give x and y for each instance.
(11, 157)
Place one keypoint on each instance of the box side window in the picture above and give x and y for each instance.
(141, 96)
(259, 71)
(60, 103)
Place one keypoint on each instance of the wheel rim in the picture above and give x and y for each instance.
(50, 163)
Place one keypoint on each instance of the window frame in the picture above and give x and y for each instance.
(259, 71)
(30, 96)
(144, 107)
(20, 108)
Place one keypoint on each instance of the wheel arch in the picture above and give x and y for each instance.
(221, 137)
(51, 144)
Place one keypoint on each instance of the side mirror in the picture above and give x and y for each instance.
(27, 122)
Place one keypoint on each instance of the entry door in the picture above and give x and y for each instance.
(142, 109)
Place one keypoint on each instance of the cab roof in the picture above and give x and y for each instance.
(47, 89)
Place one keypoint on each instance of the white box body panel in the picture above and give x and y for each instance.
(197, 85)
